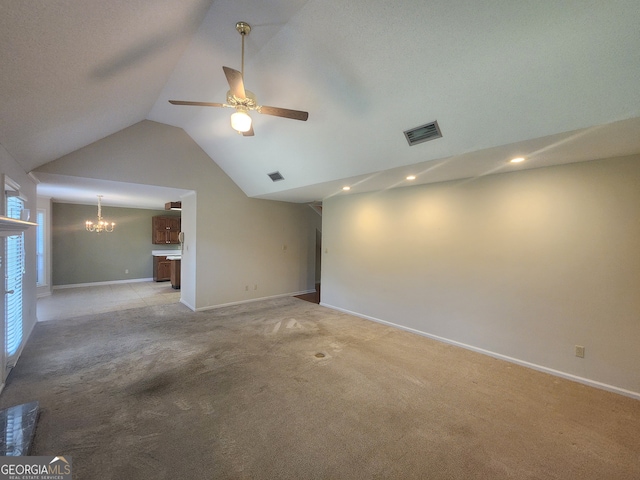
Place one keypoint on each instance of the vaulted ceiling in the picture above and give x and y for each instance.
(555, 81)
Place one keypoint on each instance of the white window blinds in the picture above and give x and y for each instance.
(41, 278)
(14, 256)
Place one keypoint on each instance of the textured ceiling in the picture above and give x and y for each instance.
(75, 72)
(555, 81)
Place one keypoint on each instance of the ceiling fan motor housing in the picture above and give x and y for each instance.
(250, 102)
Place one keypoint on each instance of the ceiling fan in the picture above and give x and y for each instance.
(243, 100)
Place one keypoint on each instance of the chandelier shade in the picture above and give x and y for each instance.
(101, 225)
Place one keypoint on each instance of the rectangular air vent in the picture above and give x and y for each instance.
(423, 133)
(275, 176)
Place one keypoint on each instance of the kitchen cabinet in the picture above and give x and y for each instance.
(161, 269)
(175, 274)
(166, 230)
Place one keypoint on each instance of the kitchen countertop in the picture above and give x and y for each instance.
(164, 253)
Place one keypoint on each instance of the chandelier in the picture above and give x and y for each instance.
(101, 225)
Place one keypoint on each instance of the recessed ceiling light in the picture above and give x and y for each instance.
(346, 188)
(517, 160)
(411, 177)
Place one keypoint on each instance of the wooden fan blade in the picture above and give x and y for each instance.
(249, 133)
(196, 104)
(284, 112)
(236, 85)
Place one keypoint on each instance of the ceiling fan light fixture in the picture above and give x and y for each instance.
(241, 121)
(243, 100)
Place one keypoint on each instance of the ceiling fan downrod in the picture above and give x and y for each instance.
(243, 29)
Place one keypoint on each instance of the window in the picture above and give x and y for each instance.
(14, 254)
(41, 278)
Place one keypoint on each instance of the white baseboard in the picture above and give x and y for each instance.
(97, 284)
(26, 335)
(43, 290)
(189, 306)
(251, 300)
(540, 368)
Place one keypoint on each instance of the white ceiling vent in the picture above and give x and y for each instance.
(275, 176)
(423, 133)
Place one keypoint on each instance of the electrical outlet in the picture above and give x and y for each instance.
(246, 288)
(126, 271)
(284, 247)
(579, 351)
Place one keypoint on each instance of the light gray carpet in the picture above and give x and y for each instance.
(162, 392)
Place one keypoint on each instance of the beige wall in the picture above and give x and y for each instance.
(524, 265)
(231, 241)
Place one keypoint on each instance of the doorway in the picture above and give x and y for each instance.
(315, 296)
